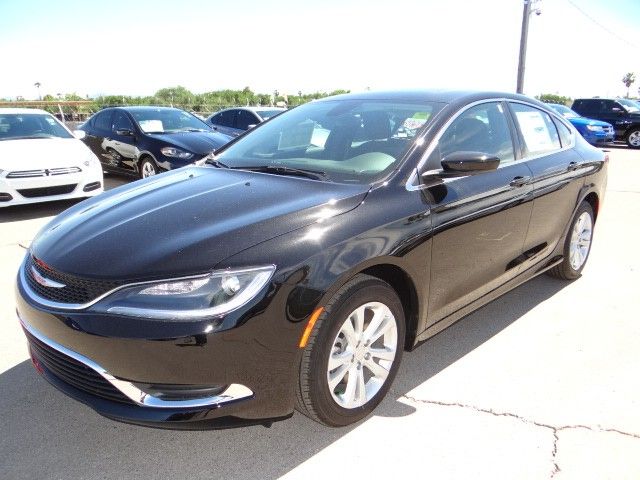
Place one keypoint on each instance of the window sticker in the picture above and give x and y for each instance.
(535, 132)
(151, 126)
(411, 125)
(298, 137)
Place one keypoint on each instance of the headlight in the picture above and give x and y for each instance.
(176, 152)
(594, 128)
(191, 298)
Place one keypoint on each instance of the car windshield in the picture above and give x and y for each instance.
(166, 120)
(566, 112)
(16, 126)
(630, 105)
(267, 114)
(354, 141)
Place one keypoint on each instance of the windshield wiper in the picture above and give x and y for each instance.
(216, 163)
(282, 170)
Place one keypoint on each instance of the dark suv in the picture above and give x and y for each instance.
(622, 113)
(144, 141)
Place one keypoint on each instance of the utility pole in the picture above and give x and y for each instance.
(527, 10)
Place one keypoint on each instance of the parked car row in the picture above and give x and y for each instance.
(621, 113)
(594, 131)
(294, 268)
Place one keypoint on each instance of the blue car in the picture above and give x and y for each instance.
(593, 131)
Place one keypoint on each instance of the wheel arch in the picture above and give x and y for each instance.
(400, 281)
(592, 199)
(404, 287)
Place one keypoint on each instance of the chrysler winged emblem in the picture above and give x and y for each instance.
(45, 282)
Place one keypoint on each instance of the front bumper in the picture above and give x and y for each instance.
(255, 362)
(598, 138)
(21, 191)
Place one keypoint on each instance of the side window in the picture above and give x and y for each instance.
(482, 128)
(121, 122)
(537, 129)
(564, 132)
(244, 119)
(224, 119)
(103, 121)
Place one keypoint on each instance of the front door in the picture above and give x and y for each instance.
(479, 221)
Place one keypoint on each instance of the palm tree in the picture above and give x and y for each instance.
(37, 85)
(628, 80)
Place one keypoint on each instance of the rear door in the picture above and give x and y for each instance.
(99, 128)
(557, 177)
(480, 221)
(122, 142)
(246, 120)
(225, 121)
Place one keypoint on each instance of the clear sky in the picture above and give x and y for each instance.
(137, 47)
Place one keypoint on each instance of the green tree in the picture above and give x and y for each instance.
(628, 80)
(554, 98)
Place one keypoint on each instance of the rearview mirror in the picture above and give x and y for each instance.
(79, 134)
(469, 162)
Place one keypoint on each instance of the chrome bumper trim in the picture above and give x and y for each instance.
(233, 392)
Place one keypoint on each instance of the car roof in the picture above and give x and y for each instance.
(140, 108)
(22, 111)
(429, 95)
(252, 109)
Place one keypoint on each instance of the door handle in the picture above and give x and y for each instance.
(519, 181)
(573, 166)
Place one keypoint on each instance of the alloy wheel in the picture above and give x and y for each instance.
(362, 355)
(580, 240)
(148, 169)
(634, 138)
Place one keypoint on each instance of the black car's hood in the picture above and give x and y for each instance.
(184, 222)
(200, 143)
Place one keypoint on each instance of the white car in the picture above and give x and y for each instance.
(41, 160)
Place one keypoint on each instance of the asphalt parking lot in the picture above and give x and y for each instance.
(541, 383)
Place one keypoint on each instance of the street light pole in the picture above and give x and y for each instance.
(526, 12)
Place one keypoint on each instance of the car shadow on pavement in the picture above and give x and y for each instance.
(47, 435)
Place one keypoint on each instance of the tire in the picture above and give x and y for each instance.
(633, 138)
(345, 404)
(572, 266)
(148, 168)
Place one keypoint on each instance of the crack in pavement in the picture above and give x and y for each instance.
(555, 430)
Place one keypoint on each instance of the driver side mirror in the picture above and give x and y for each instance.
(617, 110)
(79, 134)
(468, 163)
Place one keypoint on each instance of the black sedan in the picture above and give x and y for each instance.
(295, 268)
(144, 141)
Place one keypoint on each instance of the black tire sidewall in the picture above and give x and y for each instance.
(325, 406)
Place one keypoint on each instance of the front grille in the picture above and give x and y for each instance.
(47, 191)
(73, 372)
(43, 172)
(77, 290)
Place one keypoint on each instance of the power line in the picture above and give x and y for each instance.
(609, 31)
